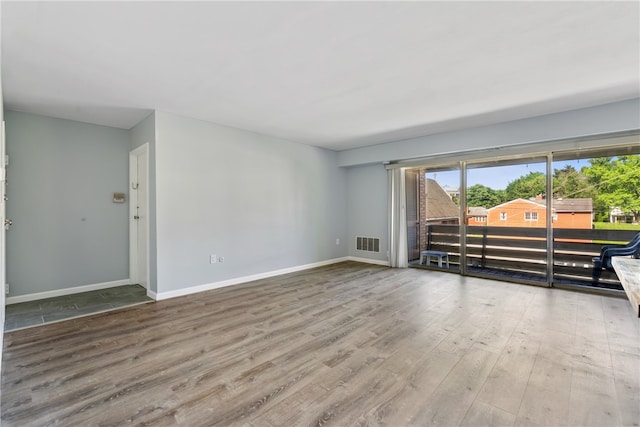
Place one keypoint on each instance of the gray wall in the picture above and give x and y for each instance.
(144, 132)
(66, 230)
(367, 209)
(262, 203)
(618, 116)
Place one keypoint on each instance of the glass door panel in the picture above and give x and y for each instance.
(596, 205)
(506, 217)
(437, 207)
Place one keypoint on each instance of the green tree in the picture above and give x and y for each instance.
(617, 180)
(570, 183)
(481, 195)
(527, 186)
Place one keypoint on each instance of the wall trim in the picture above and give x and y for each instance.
(368, 261)
(157, 296)
(238, 280)
(66, 291)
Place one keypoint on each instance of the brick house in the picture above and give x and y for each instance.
(573, 213)
(477, 215)
(567, 213)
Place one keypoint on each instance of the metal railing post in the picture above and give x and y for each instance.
(549, 220)
(463, 218)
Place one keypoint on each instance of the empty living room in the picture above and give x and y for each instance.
(320, 213)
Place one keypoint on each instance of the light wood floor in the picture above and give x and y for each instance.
(347, 344)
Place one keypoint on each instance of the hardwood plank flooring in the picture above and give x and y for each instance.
(345, 344)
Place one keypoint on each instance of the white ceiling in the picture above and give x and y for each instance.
(332, 74)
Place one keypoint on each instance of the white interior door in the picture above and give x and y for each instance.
(139, 220)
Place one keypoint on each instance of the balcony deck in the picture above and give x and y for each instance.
(519, 254)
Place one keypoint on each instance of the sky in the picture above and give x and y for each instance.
(498, 177)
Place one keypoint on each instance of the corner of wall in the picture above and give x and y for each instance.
(262, 203)
(367, 210)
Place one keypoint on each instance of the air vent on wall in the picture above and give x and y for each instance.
(369, 244)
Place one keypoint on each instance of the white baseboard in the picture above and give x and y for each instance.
(368, 261)
(66, 291)
(187, 291)
(238, 280)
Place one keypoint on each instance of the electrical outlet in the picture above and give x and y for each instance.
(337, 241)
(213, 259)
(6, 289)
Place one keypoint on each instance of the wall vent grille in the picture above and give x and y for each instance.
(368, 244)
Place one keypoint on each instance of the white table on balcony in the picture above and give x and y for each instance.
(628, 271)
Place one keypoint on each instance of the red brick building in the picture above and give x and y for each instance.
(566, 213)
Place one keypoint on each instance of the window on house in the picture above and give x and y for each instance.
(531, 216)
(503, 216)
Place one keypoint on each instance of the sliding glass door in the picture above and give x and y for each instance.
(506, 206)
(540, 219)
(433, 217)
(597, 203)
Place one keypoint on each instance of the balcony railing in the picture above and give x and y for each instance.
(520, 253)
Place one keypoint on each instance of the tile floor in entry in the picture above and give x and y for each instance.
(34, 313)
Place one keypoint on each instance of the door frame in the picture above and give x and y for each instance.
(413, 245)
(134, 154)
(3, 231)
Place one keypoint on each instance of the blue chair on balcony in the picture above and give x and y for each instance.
(603, 262)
